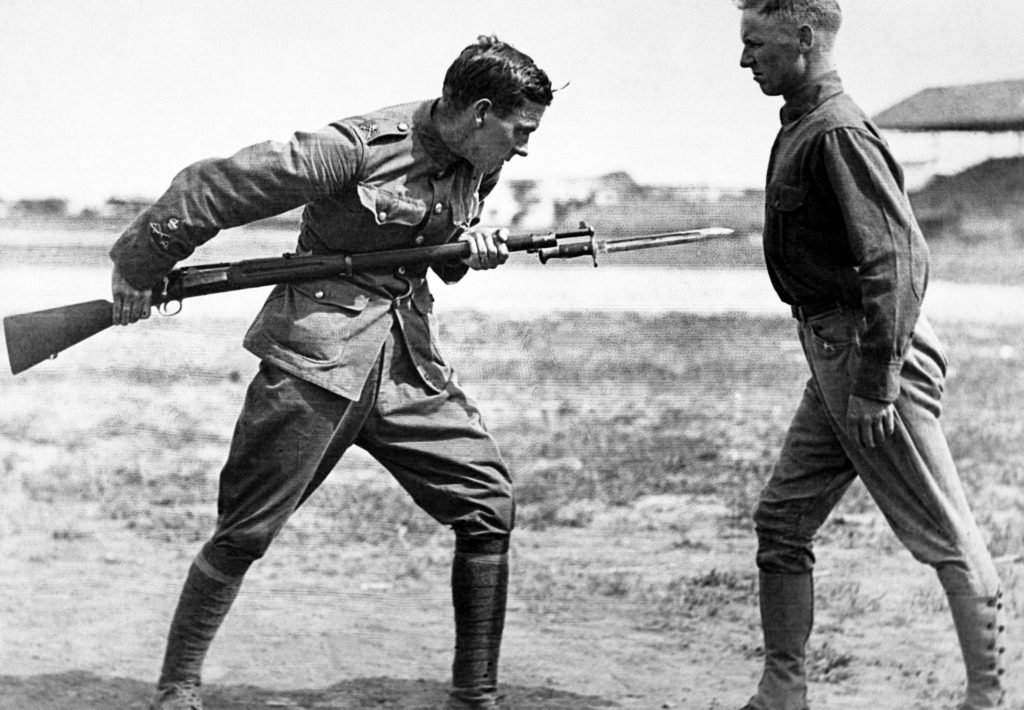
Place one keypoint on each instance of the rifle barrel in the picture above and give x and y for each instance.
(203, 280)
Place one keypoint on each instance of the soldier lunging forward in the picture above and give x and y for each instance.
(355, 360)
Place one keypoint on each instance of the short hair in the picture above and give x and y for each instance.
(824, 15)
(495, 70)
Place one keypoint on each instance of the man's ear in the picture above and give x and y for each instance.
(807, 38)
(481, 109)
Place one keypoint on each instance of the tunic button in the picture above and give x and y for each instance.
(419, 239)
(319, 294)
(403, 126)
(401, 269)
(438, 208)
(381, 216)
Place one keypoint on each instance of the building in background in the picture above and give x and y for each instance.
(962, 149)
(617, 205)
(945, 129)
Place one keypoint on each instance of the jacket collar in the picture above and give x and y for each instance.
(429, 135)
(810, 97)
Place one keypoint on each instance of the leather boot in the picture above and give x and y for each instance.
(787, 614)
(479, 591)
(981, 628)
(202, 606)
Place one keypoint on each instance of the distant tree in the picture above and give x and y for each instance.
(47, 207)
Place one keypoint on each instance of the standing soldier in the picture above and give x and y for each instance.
(844, 250)
(354, 359)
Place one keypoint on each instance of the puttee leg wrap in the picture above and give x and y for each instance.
(479, 594)
(205, 600)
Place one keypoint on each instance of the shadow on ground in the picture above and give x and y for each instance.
(86, 691)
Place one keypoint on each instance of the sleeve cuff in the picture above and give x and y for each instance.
(138, 259)
(878, 380)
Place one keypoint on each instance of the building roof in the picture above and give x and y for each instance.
(991, 106)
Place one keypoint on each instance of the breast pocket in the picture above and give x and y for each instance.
(785, 207)
(785, 199)
(391, 208)
(315, 319)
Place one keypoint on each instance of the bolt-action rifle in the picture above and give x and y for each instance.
(34, 337)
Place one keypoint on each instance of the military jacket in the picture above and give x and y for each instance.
(384, 180)
(839, 228)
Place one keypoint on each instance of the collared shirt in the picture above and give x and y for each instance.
(379, 181)
(839, 228)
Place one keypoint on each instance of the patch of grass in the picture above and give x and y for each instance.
(341, 514)
(826, 664)
(572, 592)
(590, 414)
(975, 261)
(928, 600)
(845, 601)
(682, 601)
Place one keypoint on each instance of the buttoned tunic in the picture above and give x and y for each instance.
(839, 228)
(380, 181)
(345, 360)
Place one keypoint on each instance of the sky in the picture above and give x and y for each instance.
(113, 97)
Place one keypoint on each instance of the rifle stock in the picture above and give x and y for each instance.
(34, 337)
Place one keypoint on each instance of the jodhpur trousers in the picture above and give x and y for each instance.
(291, 434)
(911, 476)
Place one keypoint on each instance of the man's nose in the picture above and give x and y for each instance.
(746, 61)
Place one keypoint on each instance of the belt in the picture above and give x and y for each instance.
(813, 310)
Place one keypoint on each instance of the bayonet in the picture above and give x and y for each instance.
(592, 246)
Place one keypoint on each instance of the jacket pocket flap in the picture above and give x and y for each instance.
(390, 208)
(786, 198)
(335, 293)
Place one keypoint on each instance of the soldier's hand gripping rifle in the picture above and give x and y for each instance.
(34, 337)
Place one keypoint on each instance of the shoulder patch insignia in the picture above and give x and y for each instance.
(162, 239)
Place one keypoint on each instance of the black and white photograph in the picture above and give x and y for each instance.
(572, 355)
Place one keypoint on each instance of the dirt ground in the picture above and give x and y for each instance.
(86, 607)
(646, 606)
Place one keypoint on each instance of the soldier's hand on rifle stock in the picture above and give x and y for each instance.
(487, 248)
(869, 422)
(130, 304)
